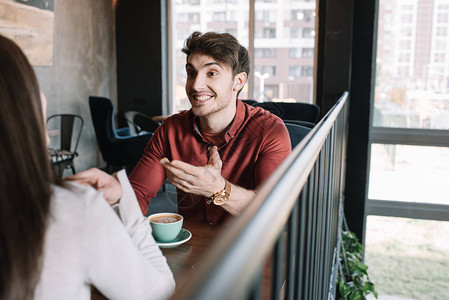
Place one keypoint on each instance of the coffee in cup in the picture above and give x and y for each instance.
(165, 226)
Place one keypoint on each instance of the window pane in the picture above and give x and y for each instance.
(288, 28)
(412, 80)
(409, 173)
(229, 16)
(407, 257)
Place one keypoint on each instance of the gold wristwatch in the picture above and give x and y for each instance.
(222, 196)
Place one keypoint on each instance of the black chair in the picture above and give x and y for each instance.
(290, 110)
(117, 146)
(297, 133)
(251, 102)
(64, 131)
(140, 123)
(302, 123)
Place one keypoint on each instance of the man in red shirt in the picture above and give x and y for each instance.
(218, 152)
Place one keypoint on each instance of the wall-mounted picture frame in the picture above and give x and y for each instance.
(30, 23)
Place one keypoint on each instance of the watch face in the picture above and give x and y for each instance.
(220, 200)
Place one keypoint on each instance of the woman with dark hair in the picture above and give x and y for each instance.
(56, 240)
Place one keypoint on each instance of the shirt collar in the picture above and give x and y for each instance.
(237, 122)
(232, 129)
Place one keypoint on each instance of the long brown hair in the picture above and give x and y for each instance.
(25, 175)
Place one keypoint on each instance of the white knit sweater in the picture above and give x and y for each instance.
(86, 244)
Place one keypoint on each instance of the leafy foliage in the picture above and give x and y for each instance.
(353, 281)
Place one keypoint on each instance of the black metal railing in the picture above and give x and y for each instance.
(293, 221)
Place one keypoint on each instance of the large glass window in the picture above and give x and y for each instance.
(409, 163)
(284, 41)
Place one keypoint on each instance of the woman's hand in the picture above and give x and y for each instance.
(101, 181)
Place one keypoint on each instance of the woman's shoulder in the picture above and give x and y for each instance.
(74, 196)
(72, 190)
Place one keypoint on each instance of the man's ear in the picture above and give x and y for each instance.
(239, 81)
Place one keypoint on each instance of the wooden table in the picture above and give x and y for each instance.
(185, 257)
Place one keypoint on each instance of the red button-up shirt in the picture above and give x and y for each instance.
(256, 142)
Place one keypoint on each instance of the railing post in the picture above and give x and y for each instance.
(302, 245)
(276, 278)
(292, 250)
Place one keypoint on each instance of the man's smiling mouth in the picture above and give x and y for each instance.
(202, 97)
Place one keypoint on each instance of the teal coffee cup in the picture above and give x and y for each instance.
(165, 226)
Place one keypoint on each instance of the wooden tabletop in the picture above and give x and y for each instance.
(184, 257)
(187, 256)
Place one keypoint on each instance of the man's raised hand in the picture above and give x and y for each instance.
(203, 180)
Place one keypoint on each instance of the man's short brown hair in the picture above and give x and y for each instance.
(223, 47)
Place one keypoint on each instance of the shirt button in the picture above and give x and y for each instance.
(208, 148)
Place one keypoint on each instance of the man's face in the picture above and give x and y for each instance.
(210, 86)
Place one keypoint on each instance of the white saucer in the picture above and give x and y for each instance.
(182, 237)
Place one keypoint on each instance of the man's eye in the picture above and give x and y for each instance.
(190, 74)
(213, 73)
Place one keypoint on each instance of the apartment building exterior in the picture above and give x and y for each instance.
(412, 88)
(414, 35)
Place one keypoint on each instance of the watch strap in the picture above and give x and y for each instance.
(222, 196)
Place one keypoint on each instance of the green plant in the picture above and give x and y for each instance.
(353, 281)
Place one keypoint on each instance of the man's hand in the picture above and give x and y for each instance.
(204, 181)
(101, 181)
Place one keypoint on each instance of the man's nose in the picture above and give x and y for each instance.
(199, 82)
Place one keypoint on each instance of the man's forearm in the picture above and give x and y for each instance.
(239, 200)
